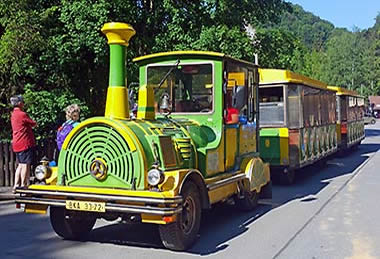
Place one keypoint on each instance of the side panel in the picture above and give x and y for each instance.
(274, 145)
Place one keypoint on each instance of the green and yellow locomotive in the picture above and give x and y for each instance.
(181, 153)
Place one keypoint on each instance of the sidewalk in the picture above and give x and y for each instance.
(6, 193)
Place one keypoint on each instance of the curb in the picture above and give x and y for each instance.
(6, 194)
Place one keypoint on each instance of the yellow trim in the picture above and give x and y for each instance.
(146, 100)
(34, 208)
(92, 190)
(118, 33)
(343, 91)
(275, 76)
(284, 145)
(117, 106)
(222, 193)
(126, 132)
(237, 78)
(186, 52)
(53, 177)
(231, 147)
(190, 53)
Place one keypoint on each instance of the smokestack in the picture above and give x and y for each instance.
(118, 35)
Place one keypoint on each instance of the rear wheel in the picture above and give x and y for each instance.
(373, 121)
(181, 234)
(69, 226)
(288, 177)
(249, 201)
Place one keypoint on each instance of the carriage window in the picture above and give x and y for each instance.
(271, 106)
(188, 88)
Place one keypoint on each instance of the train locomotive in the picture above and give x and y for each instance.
(179, 155)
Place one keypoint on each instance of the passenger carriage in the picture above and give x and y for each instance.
(350, 117)
(297, 120)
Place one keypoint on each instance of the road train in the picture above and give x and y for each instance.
(195, 141)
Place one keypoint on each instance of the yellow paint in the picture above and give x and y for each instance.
(171, 53)
(222, 193)
(343, 91)
(53, 177)
(338, 133)
(231, 147)
(274, 76)
(284, 146)
(36, 208)
(118, 33)
(107, 191)
(154, 219)
(267, 142)
(146, 100)
(117, 106)
(258, 174)
(236, 78)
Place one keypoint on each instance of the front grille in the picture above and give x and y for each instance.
(100, 142)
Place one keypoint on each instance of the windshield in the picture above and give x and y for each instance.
(189, 87)
(271, 106)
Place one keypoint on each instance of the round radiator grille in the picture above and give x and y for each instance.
(103, 143)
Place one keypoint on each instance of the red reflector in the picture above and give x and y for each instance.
(168, 219)
(343, 129)
(18, 205)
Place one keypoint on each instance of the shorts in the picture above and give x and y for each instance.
(26, 156)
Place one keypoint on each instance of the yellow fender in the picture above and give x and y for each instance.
(257, 173)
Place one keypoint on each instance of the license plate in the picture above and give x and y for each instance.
(86, 206)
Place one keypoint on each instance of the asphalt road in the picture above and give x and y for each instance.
(330, 212)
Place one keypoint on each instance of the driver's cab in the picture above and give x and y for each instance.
(213, 96)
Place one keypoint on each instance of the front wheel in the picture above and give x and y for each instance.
(181, 234)
(69, 226)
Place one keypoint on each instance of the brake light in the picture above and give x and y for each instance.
(343, 128)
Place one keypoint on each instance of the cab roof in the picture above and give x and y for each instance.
(343, 91)
(275, 76)
(188, 53)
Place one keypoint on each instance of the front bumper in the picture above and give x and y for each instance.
(119, 201)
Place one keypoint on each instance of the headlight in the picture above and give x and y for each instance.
(42, 172)
(155, 176)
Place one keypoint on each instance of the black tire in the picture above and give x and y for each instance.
(266, 191)
(373, 121)
(248, 202)
(181, 235)
(73, 228)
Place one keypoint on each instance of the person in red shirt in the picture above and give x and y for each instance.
(23, 141)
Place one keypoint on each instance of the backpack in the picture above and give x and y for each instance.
(62, 132)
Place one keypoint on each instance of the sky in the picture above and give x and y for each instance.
(343, 13)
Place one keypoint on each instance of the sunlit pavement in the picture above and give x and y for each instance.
(330, 212)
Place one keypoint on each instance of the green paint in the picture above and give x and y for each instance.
(117, 65)
(100, 141)
(270, 154)
(145, 109)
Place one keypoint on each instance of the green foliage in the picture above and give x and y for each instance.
(47, 108)
(279, 49)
